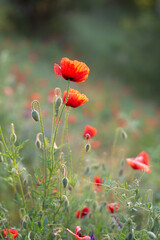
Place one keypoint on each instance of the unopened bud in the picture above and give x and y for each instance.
(151, 235)
(28, 195)
(38, 142)
(35, 115)
(130, 236)
(58, 105)
(120, 172)
(24, 182)
(124, 134)
(87, 147)
(66, 202)
(87, 170)
(65, 182)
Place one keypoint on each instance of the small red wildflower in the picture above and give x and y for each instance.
(112, 207)
(98, 181)
(72, 70)
(12, 231)
(83, 213)
(89, 132)
(78, 234)
(75, 98)
(141, 162)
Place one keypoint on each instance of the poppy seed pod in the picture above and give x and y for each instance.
(35, 115)
(65, 182)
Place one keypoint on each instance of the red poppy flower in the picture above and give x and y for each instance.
(98, 181)
(13, 232)
(141, 162)
(83, 213)
(72, 70)
(75, 98)
(89, 132)
(112, 207)
(78, 235)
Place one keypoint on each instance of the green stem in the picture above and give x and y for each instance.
(45, 152)
(55, 132)
(83, 151)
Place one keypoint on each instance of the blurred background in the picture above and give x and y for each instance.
(118, 39)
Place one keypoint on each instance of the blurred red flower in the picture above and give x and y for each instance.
(72, 70)
(112, 207)
(78, 235)
(51, 96)
(8, 91)
(95, 144)
(89, 132)
(141, 162)
(72, 119)
(75, 98)
(35, 96)
(98, 181)
(12, 231)
(83, 213)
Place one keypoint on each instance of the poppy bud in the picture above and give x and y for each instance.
(151, 235)
(66, 203)
(87, 147)
(65, 182)
(35, 115)
(120, 172)
(87, 170)
(130, 236)
(38, 142)
(24, 182)
(124, 134)
(58, 104)
(28, 195)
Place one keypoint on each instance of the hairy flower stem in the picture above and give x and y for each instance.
(83, 152)
(45, 151)
(55, 132)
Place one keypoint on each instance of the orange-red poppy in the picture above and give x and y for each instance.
(112, 207)
(12, 231)
(72, 70)
(89, 132)
(83, 213)
(141, 162)
(75, 98)
(78, 234)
